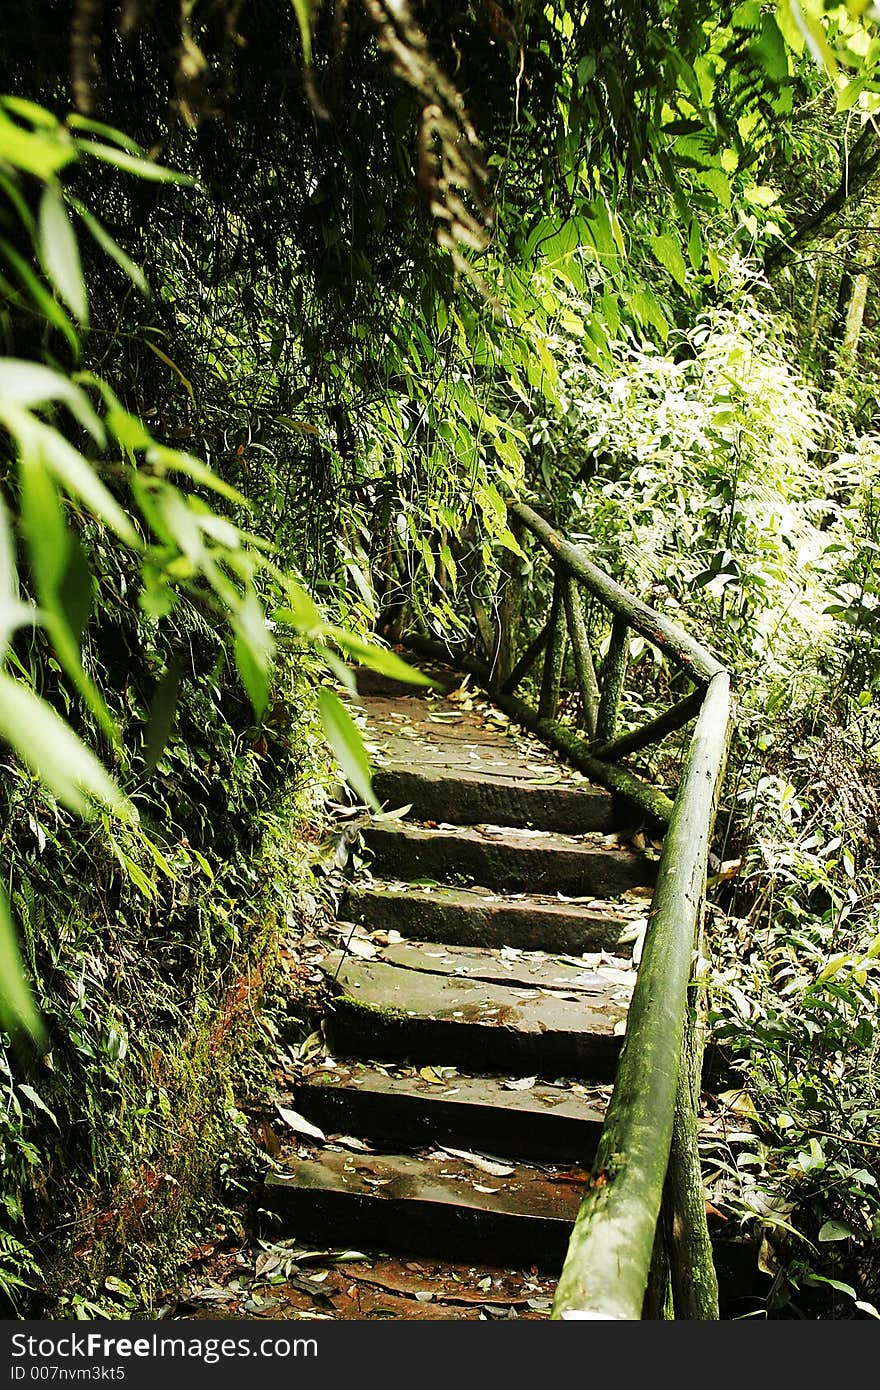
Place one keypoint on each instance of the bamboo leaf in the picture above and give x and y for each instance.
(133, 164)
(113, 249)
(77, 122)
(169, 362)
(44, 302)
(59, 252)
(162, 711)
(75, 474)
(378, 658)
(17, 1010)
(52, 751)
(345, 740)
(37, 152)
(303, 11)
(30, 384)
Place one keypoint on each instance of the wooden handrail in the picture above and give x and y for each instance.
(690, 654)
(609, 1257)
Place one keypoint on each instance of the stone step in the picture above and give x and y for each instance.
(513, 860)
(553, 1122)
(526, 1026)
(473, 916)
(471, 798)
(435, 1202)
(432, 1204)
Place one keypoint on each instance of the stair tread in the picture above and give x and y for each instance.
(517, 837)
(438, 735)
(589, 974)
(597, 1007)
(438, 1179)
(488, 899)
(481, 916)
(512, 858)
(541, 1099)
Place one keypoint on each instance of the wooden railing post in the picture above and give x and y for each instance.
(553, 657)
(613, 676)
(588, 686)
(527, 660)
(510, 606)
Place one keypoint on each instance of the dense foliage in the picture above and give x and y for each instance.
(416, 260)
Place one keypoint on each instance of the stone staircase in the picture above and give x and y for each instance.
(478, 1012)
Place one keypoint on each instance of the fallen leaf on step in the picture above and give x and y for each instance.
(525, 1083)
(478, 1187)
(357, 946)
(429, 1074)
(300, 1124)
(348, 1141)
(485, 1165)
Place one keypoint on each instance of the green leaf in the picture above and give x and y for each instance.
(29, 384)
(143, 884)
(133, 164)
(345, 740)
(303, 11)
(59, 252)
(378, 658)
(113, 249)
(253, 677)
(301, 612)
(695, 246)
(75, 590)
(77, 122)
(37, 153)
(645, 308)
(13, 613)
(162, 710)
(253, 651)
(837, 1230)
(169, 362)
(46, 304)
(73, 472)
(36, 1100)
(769, 50)
(166, 460)
(63, 580)
(30, 111)
(668, 252)
(17, 1010)
(813, 34)
(52, 751)
(43, 525)
(717, 183)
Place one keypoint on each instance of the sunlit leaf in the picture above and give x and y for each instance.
(59, 252)
(30, 384)
(50, 748)
(38, 153)
(75, 474)
(377, 658)
(169, 362)
(133, 164)
(345, 740)
(668, 253)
